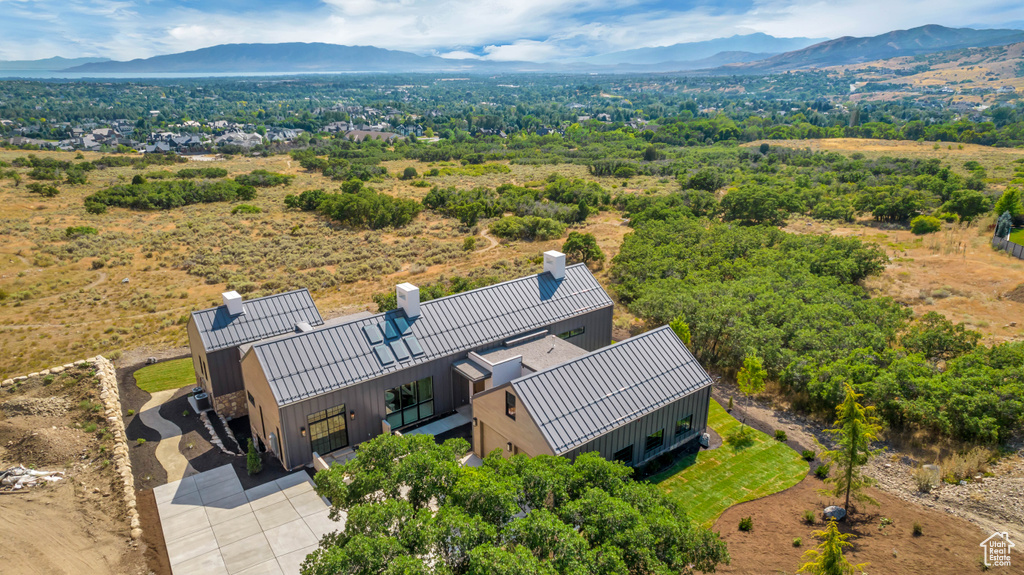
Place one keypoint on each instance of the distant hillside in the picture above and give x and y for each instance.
(694, 51)
(849, 50)
(48, 64)
(289, 57)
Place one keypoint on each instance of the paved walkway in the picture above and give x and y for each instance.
(214, 527)
(167, 452)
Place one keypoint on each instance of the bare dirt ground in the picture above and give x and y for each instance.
(77, 525)
(992, 502)
(946, 545)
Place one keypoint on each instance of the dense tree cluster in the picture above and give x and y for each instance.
(358, 206)
(413, 509)
(166, 195)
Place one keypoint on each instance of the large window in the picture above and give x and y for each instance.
(410, 402)
(684, 425)
(572, 332)
(625, 455)
(510, 405)
(327, 430)
(654, 441)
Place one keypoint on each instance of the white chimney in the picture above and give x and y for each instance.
(408, 299)
(233, 302)
(554, 262)
(506, 370)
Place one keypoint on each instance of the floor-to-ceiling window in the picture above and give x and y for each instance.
(409, 403)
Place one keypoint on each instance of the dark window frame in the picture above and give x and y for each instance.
(654, 441)
(327, 430)
(573, 332)
(510, 405)
(684, 425)
(252, 399)
(409, 403)
(620, 455)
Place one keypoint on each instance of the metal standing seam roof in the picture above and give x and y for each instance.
(323, 360)
(580, 400)
(264, 317)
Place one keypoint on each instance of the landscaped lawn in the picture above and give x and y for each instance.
(710, 482)
(166, 375)
(1017, 237)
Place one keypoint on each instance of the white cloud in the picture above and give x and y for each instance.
(535, 30)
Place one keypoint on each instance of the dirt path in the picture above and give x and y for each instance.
(493, 244)
(167, 451)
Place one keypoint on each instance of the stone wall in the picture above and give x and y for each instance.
(231, 405)
(111, 399)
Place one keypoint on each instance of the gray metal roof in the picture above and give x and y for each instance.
(264, 317)
(309, 364)
(580, 400)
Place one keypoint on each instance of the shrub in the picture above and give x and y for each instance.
(469, 244)
(797, 542)
(821, 471)
(807, 454)
(729, 409)
(43, 189)
(747, 524)
(49, 379)
(253, 463)
(918, 530)
(808, 517)
(780, 435)
(185, 413)
(527, 228)
(409, 173)
(245, 209)
(141, 441)
(131, 412)
(79, 231)
(264, 179)
(925, 225)
(962, 466)
(165, 195)
(924, 480)
(90, 427)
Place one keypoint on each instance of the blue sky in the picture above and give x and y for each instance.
(537, 30)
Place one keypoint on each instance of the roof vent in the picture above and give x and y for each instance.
(233, 302)
(408, 299)
(554, 263)
(303, 327)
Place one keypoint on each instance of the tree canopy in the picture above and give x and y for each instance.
(410, 507)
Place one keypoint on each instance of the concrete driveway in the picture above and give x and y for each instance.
(213, 527)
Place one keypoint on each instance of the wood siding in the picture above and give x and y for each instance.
(223, 366)
(522, 432)
(366, 399)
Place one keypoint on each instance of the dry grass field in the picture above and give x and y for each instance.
(157, 266)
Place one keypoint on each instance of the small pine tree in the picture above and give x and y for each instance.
(253, 463)
(730, 403)
(856, 428)
(827, 558)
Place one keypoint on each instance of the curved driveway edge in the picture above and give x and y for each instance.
(167, 452)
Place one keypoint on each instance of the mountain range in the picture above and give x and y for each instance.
(749, 54)
(49, 64)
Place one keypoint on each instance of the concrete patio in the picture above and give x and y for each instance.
(212, 526)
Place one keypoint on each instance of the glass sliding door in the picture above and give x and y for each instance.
(409, 403)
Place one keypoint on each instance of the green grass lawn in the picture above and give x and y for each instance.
(1017, 237)
(710, 482)
(166, 375)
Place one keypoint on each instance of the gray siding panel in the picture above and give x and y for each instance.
(225, 371)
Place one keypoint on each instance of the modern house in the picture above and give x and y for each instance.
(528, 361)
(219, 336)
(630, 402)
(331, 388)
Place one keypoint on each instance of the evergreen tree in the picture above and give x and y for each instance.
(827, 558)
(1004, 225)
(856, 428)
(253, 463)
(751, 378)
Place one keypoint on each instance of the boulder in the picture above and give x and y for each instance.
(136, 534)
(834, 512)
